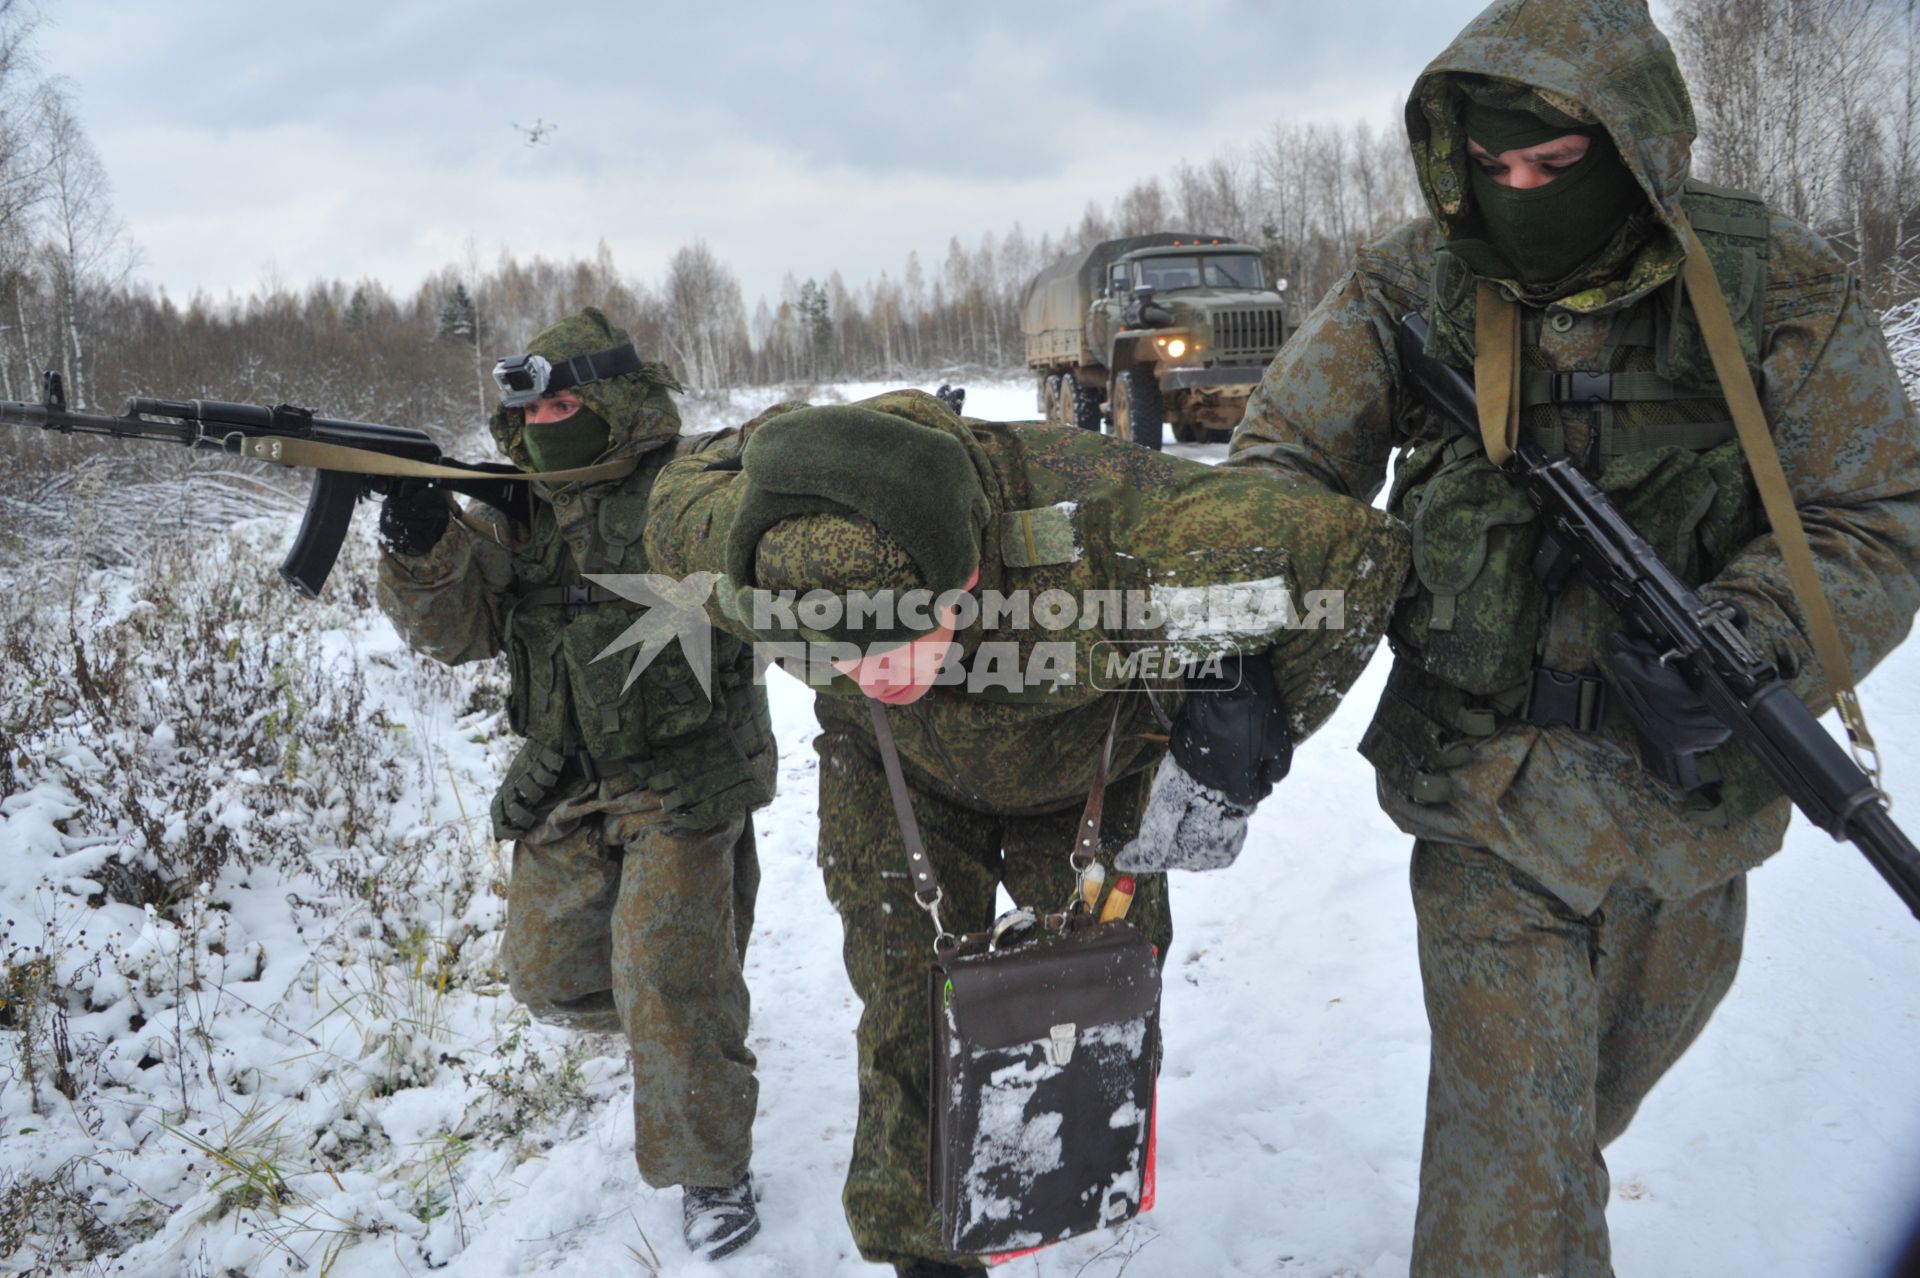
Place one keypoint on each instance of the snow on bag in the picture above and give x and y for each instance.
(1044, 1059)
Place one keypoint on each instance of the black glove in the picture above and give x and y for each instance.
(1231, 745)
(1232, 733)
(414, 517)
(1672, 721)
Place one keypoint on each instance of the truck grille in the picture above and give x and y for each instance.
(1238, 334)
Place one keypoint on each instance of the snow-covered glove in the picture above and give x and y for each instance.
(1230, 746)
(414, 518)
(1186, 826)
(1671, 719)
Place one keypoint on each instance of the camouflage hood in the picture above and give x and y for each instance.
(637, 407)
(1574, 61)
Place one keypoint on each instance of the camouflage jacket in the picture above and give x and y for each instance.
(1202, 560)
(1573, 808)
(488, 588)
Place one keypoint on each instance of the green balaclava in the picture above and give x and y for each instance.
(849, 498)
(1545, 234)
(573, 441)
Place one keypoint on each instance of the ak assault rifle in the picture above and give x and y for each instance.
(248, 430)
(1703, 641)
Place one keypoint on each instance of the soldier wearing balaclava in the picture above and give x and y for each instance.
(1578, 919)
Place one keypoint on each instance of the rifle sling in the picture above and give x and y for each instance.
(1496, 371)
(1749, 419)
(315, 455)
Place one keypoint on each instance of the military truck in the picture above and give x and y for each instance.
(1168, 328)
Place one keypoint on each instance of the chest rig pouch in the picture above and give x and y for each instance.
(708, 756)
(1651, 427)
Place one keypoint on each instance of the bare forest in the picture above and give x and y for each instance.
(1813, 103)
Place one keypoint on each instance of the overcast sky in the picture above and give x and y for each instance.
(361, 139)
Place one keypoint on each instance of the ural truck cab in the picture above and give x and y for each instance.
(1163, 329)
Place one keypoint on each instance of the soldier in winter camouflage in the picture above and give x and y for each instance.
(634, 872)
(899, 494)
(1578, 921)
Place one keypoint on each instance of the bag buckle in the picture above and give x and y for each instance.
(1582, 388)
(576, 598)
(1557, 698)
(1060, 1042)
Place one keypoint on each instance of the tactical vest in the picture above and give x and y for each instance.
(708, 758)
(1652, 429)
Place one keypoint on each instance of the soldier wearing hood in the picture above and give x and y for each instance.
(1000, 713)
(1579, 921)
(634, 871)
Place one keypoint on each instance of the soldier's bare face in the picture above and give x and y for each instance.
(1531, 166)
(556, 407)
(902, 675)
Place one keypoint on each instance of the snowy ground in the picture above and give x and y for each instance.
(367, 1058)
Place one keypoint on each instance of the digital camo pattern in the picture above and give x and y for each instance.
(1584, 918)
(1549, 1029)
(636, 405)
(616, 917)
(631, 897)
(1581, 60)
(833, 552)
(889, 949)
(486, 589)
(1573, 809)
(998, 776)
(1140, 521)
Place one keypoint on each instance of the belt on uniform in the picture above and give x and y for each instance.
(573, 598)
(1555, 699)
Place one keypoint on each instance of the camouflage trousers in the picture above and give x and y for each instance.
(889, 952)
(1549, 1028)
(618, 920)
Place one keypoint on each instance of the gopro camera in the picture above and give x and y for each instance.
(522, 379)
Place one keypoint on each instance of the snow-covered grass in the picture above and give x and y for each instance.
(254, 1024)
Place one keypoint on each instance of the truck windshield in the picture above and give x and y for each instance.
(1211, 270)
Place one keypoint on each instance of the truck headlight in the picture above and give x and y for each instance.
(1173, 347)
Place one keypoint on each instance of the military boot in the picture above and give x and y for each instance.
(938, 1269)
(718, 1220)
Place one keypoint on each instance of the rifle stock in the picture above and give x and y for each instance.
(1704, 640)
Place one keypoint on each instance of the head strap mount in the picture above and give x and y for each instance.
(522, 379)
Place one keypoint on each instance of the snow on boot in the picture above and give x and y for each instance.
(718, 1220)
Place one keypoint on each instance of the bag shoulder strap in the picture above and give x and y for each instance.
(1749, 419)
(926, 884)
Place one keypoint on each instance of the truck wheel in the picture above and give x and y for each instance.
(1086, 404)
(1184, 432)
(1043, 395)
(1144, 416)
